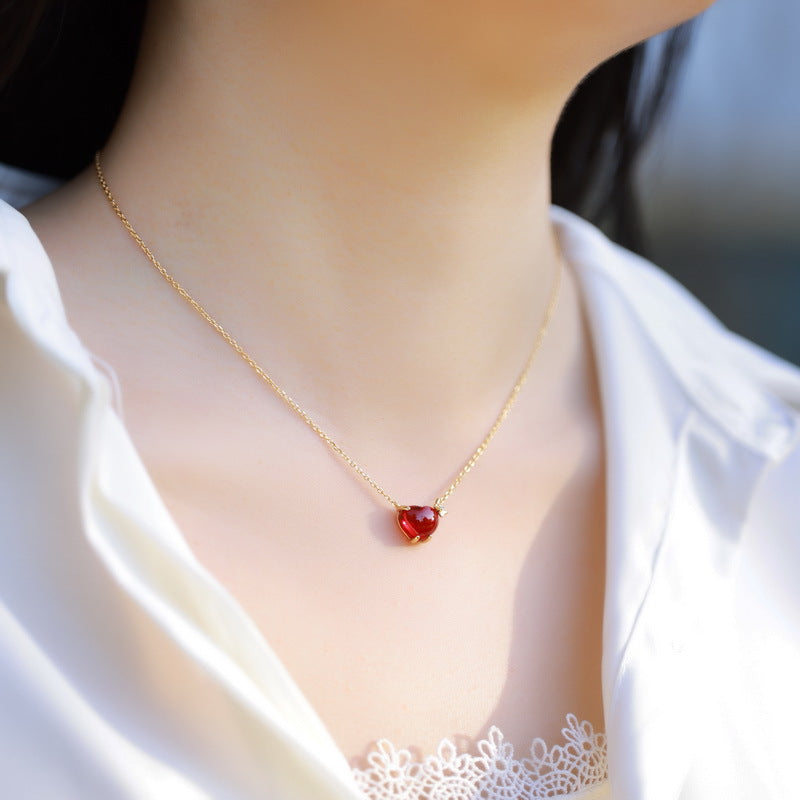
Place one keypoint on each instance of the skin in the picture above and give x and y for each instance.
(359, 192)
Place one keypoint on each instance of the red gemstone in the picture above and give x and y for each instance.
(418, 522)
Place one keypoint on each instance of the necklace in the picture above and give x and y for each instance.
(416, 522)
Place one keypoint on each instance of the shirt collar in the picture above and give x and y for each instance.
(692, 419)
(741, 387)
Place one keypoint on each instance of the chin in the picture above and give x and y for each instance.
(656, 16)
(526, 41)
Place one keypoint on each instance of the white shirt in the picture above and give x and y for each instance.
(128, 671)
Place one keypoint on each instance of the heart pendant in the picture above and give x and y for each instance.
(418, 522)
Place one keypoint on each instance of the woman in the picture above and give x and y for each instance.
(209, 602)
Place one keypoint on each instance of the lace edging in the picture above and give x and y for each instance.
(494, 774)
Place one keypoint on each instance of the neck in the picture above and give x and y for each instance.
(377, 210)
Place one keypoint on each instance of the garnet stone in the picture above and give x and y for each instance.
(418, 522)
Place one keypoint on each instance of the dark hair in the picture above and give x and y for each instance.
(604, 127)
(66, 65)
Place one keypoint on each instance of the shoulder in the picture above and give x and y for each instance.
(750, 392)
(721, 416)
(28, 281)
(37, 345)
(703, 429)
(23, 261)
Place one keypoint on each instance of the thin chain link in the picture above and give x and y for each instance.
(251, 362)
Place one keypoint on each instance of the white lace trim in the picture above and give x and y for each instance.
(494, 774)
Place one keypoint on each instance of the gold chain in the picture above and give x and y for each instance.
(293, 404)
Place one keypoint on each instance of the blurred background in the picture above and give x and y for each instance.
(720, 182)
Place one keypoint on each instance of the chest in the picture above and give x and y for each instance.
(495, 621)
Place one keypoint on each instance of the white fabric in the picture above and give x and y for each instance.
(127, 671)
(574, 770)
